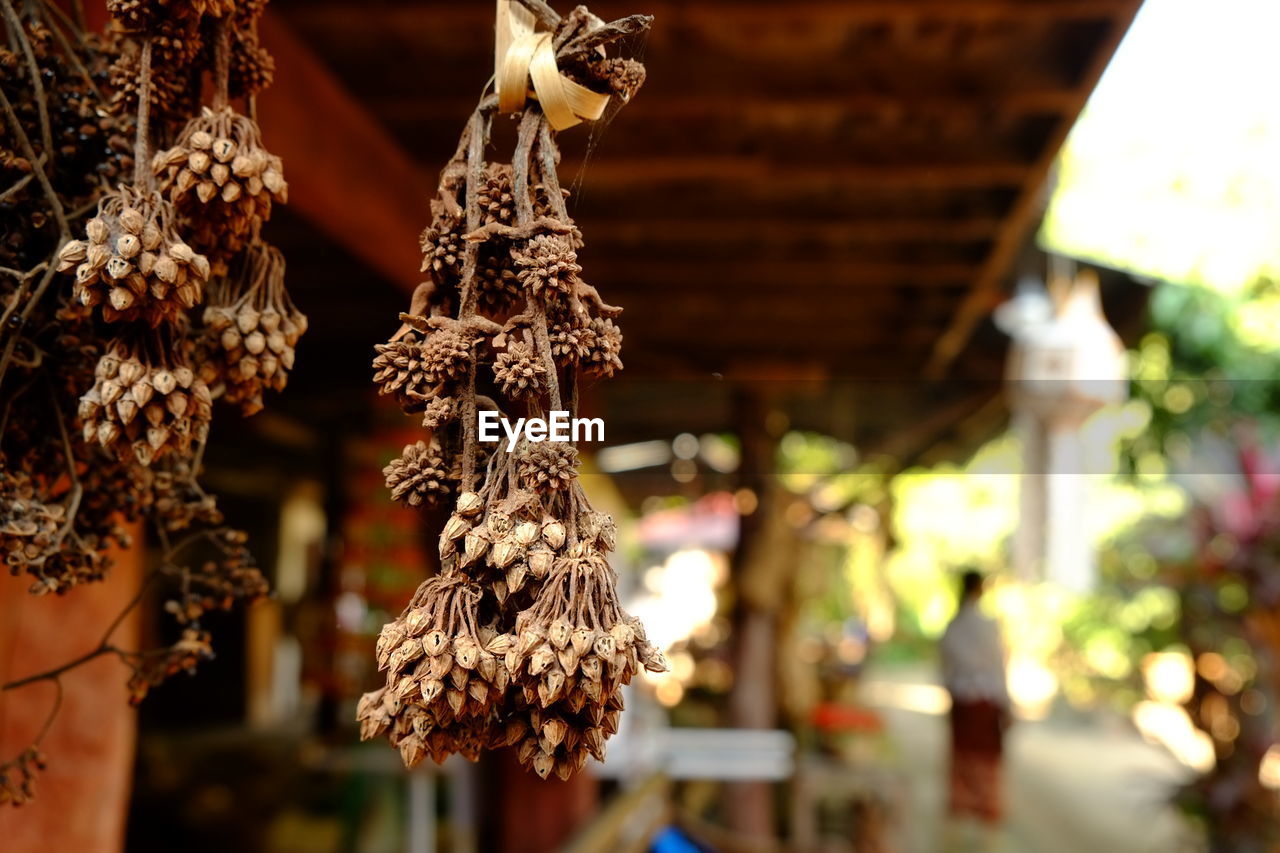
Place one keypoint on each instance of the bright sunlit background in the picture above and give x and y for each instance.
(1173, 171)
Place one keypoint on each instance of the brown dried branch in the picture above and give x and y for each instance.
(547, 17)
(33, 74)
(56, 25)
(38, 164)
(601, 36)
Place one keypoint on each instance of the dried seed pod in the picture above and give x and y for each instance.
(469, 504)
(106, 277)
(553, 533)
(243, 179)
(172, 419)
(245, 358)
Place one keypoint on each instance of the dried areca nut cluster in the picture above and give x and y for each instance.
(548, 466)
(28, 526)
(520, 640)
(177, 499)
(132, 262)
(592, 344)
(429, 357)
(519, 370)
(575, 651)
(559, 666)
(141, 408)
(251, 330)
(60, 541)
(441, 663)
(420, 475)
(184, 655)
(172, 91)
(150, 16)
(18, 777)
(252, 67)
(220, 176)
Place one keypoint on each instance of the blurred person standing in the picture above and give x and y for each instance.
(973, 670)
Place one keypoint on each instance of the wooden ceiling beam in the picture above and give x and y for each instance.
(986, 291)
(613, 172)
(769, 232)
(747, 13)
(659, 275)
(817, 107)
(347, 175)
(719, 14)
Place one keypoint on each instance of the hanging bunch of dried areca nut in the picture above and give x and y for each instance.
(520, 640)
(107, 374)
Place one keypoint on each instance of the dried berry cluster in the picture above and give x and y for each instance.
(186, 37)
(141, 406)
(251, 329)
(520, 640)
(104, 416)
(220, 177)
(18, 777)
(132, 262)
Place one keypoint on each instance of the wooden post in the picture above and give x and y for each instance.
(753, 701)
(533, 815)
(82, 797)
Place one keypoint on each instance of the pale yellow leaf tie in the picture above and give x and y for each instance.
(523, 56)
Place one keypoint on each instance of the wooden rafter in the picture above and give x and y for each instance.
(1013, 233)
(789, 231)
(397, 108)
(346, 173)
(611, 172)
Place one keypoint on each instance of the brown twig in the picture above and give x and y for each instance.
(58, 671)
(67, 48)
(19, 184)
(142, 177)
(530, 127)
(38, 165)
(601, 36)
(222, 65)
(33, 72)
(546, 16)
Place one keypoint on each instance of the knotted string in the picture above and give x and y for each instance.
(521, 56)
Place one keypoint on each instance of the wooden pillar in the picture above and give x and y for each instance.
(533, 815)
(82, 797)
(753, 702)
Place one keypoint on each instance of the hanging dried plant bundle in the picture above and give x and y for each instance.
(152, 16)
(172, 91)
(106, 424)
(520, 640)
(251, 331)
(420, 475)
(132, 263)
(221, 177)
(145, 402)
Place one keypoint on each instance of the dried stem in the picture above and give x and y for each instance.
(607, 34)
(531, 126)
(72, 56)
(478, 131)
(142, 177)
(19, 184)
(58, 671)
(222, 65)
(548, 17)
(38, 164)
(33, 72)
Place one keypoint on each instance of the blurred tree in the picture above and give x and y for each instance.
(1208, 373)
